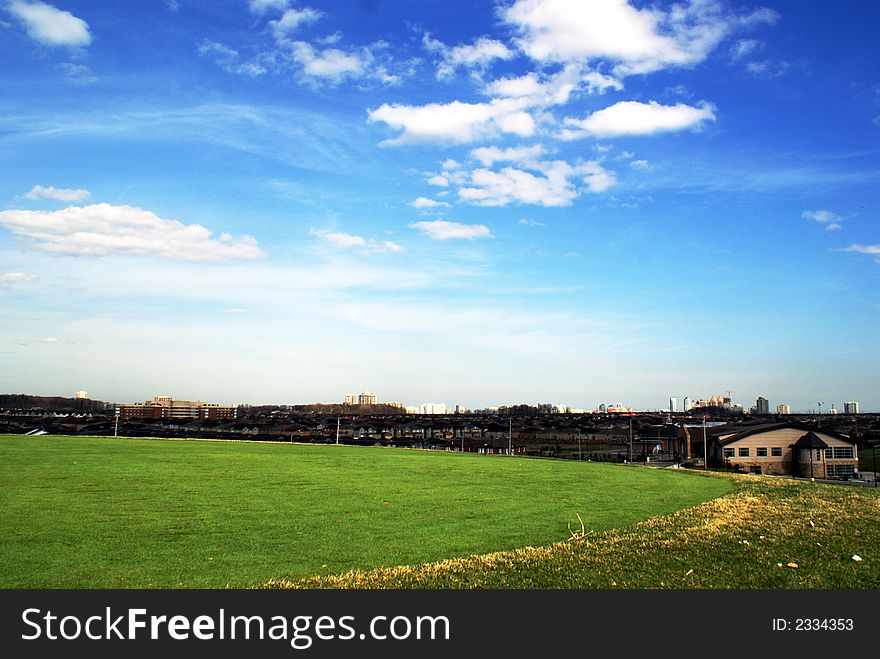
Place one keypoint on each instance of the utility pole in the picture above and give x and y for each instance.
(630, 439)
(705, 446)
(337, 430)
(116, 425)
(509, 435)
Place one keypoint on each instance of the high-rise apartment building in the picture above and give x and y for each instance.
(762, 405)
(367, 398)
(686, 404)
(350, 399)
(673, 404)
(783, 409)
(852, 407)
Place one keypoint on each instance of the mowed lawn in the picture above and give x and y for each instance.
(130, 513)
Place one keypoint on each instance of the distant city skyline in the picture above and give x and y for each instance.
(476, 203)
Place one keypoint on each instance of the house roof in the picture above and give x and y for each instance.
(770, 427)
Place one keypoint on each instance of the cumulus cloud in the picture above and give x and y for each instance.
(454, 122)
(553, 183)
(59, 194)
(262, 6)
(104, 229)
(17, 278)
(291, 20)
(349, 241)
(635, 118)
(329, 64)
(636, 40)
(489, 155)
(425, 202)
(479, 55)
(639, 164)
(831, 221)
(443, 230)
(49, 25)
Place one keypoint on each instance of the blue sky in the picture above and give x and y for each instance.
(465, 202)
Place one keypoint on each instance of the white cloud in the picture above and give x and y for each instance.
(542, 90)
(530, 223)
(330, 64)
(425, 202)
(59, 194)
(634, 118)
(50, 339)
(637, 40)
(640, 164)
(454, 122)
(349, 241)
(291, 20)
(870, 250)
(17, 278)
(103, 229)
(832, 221)
(480, 54)
(262, 6)
(49, 25)
(78, 74)
(443, 230)
(548, 184)
(745, 47)
(439, 180)
(489, 155)
(228, 59)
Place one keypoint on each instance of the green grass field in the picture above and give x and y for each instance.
(126, 513)
(765, 533)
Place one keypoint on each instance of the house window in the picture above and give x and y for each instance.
(819, 455)
(744, 452)
(762, 452)
(776, 451)
(728, 453)
(843, 452)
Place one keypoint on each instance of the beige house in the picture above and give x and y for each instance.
(787, 448)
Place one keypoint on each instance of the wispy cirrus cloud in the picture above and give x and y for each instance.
(831, 221)
(17, 278)
(870, 250)
(445, 230)
(104, 229)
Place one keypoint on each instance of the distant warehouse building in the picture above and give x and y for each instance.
(165, 407)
